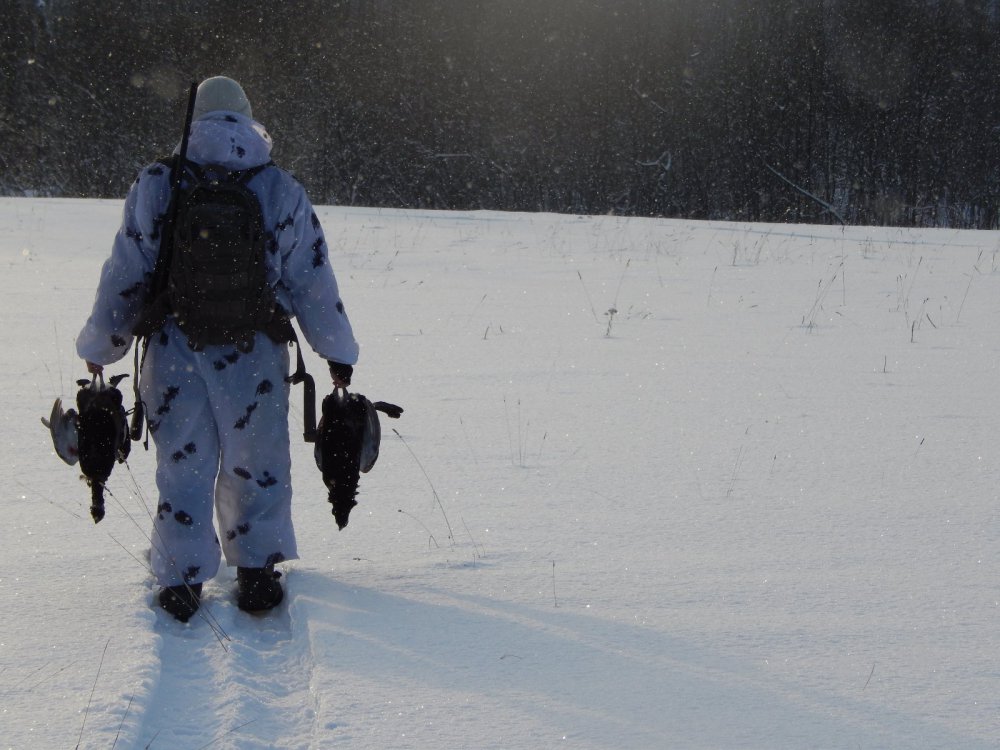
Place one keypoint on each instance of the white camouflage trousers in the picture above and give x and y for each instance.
(219, 419)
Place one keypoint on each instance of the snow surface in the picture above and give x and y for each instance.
(755, 507)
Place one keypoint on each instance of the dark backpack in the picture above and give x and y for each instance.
(217, 284)
(214, 282)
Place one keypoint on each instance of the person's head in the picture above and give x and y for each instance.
(221, 93)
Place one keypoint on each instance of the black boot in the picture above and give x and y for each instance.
(259, 589)
(181, 601)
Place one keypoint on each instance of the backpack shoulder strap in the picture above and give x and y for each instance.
(243, 176)
(209, 172)
(191, 168)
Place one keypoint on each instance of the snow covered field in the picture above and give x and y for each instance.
(755, 506)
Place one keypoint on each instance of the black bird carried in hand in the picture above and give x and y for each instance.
(96, 434)
(347, 445)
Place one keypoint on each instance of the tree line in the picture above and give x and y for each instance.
(785, 110)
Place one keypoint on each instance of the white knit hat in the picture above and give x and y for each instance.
(221, 93)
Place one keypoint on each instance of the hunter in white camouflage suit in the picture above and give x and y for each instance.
(219, 416)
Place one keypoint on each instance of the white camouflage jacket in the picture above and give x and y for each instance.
(299, 270)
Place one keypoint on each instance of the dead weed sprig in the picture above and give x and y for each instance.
(822, 290)
(434, 491)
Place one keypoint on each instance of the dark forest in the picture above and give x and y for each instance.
(787, 110)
